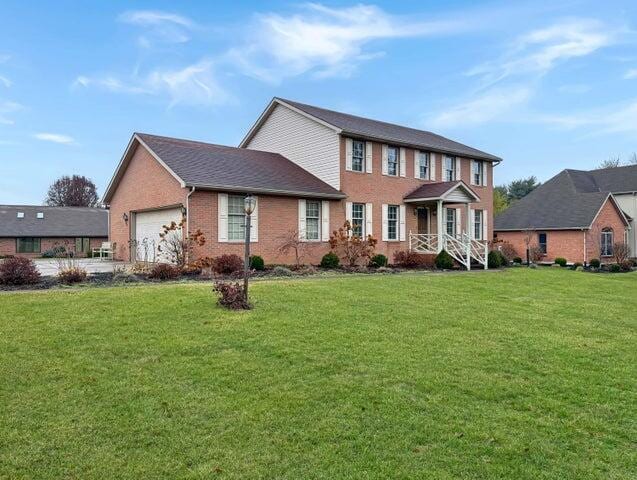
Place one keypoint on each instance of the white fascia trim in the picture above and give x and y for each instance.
(621, 212)
(268, 110)
(271, 191)
(123, 163)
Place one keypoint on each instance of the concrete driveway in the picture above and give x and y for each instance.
(50, 266)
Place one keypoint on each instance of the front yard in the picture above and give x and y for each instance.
(524, 374)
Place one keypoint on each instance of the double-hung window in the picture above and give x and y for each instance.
(392, 222)
(477, 224)
(607, 242)
(236, 217)
(423, 165)
(450, 222)
(312, 220)
(449, 168)
(358, 156)
(392, 160)
(478, 172)
(358, 220)
(542, 242)
(27, 245)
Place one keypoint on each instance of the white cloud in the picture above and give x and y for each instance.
(493, 104)
(191, 85)
(539, 51)
(326, 41)
(160, 26)
(5, 81)
(631, 74)
(620, 118)
(6, 109)
(55, 138)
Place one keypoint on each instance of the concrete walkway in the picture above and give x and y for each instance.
(50, 266)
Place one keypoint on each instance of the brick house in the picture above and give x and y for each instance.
(578, 215)
(310, 169)
(30, 230)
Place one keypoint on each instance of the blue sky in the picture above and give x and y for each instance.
(544, 86)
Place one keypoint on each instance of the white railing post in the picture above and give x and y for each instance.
(468, 250)
(486, 255)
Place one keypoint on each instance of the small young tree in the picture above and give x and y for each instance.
(621, 252)
(75, 191)
(351, 248)
(177, 248)
(529, 235)
(291, 242)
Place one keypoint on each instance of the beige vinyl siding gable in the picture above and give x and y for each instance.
(306, 142)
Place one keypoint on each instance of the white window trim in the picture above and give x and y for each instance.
(320, 222)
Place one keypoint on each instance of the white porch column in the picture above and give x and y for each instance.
(439, 217)
(468, 220)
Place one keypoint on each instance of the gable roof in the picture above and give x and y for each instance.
(217, 167)
(570, 200)
(57, 221)
(353, 125)
(439, 191)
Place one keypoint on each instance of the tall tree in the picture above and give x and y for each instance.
(521, 188)
(611, 162)
(500, 200)
(75, 191)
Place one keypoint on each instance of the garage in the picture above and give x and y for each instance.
(148, 227)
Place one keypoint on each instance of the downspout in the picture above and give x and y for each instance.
(585, 259)
(192, 190)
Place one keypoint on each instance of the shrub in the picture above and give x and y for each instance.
(231, 295)
(282, 272)
(257, 263)
(595, 263)
(226, 264)
(350, 247)
(494, 259)
(626, 266)
(406, 259)
(576, 265)
(378, 261)
(72, 274)
(176, 245)
(165, 271)
(535, 253)
(18, 271)
(506, 250)
(56, 251)
(444, 261)
(517, 260)
(614, 268)
(561, 261)
(330, 260)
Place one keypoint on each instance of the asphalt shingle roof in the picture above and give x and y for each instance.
(571, 199)
(389, 132)
(212, 166)
(57, 221)
(435, 190)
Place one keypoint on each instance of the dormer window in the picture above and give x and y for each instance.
(40, 215)
(20, 214)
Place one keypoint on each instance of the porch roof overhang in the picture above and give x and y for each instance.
(451, 192)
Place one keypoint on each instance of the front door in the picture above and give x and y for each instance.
(423, 221)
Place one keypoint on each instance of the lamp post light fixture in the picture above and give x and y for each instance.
(249, 205)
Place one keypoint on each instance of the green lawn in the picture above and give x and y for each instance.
(523, 374)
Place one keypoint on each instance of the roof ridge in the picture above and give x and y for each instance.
(199, 142)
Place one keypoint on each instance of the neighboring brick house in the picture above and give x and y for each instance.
(578, 215)
(30, 230)
(311, 169)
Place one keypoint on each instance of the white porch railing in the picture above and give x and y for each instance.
(423, 242)
(462, 248)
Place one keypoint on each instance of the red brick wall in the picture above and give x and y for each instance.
(382, 189)
(145, 185)
(569, 244)
(8, 245)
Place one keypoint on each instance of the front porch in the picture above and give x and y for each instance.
(440, 225)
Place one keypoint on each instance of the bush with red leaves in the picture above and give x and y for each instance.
(165, 271)
(72, 275)
(412, 260)
(227, 264)
(18, 271)
(231, 296)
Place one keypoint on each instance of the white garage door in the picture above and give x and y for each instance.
(148, 226)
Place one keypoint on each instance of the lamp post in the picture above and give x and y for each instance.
(248, 207)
